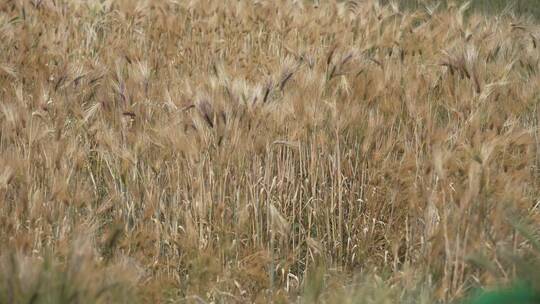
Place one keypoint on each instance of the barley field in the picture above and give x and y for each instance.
(264, 151)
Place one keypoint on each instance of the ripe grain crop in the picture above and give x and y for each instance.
(254, 151)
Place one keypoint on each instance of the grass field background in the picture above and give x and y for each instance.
(268, 151)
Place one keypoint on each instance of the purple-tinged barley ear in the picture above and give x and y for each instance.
(205, 108)
(286, 77)
(122, 92)
(377, 62)
(476, 81)
(266, 93)
(77, 80)
(346, 59)
(332, 72)
(129, 114)
(59, 82)
(94, 80)
(267, 90)
(330, 55)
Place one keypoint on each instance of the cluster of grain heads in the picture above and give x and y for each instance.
(235, 151)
